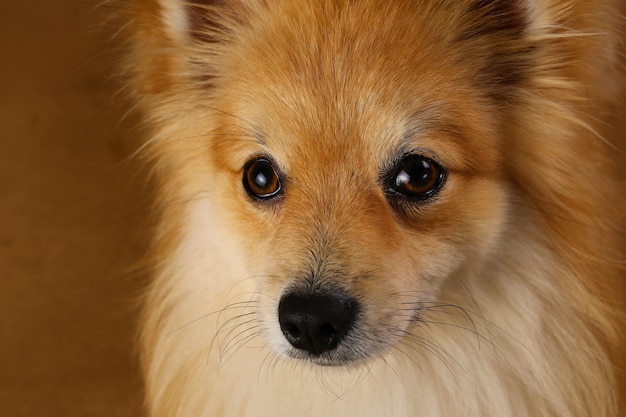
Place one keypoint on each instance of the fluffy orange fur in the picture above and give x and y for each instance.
(502, 294)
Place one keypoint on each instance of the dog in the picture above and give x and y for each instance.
(382, 208)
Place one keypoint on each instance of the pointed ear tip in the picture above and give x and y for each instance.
(198, 18)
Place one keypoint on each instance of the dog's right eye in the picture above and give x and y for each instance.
(261, 180)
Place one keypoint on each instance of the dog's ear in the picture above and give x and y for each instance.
(205, 21)
(495, 32)
(177, 43)
(497, 17)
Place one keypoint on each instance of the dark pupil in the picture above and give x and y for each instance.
(416, 176)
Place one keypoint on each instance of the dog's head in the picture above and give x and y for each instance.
(356, 148)
(361, 163)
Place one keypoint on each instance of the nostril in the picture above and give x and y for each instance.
(317, 323)
(293, 330)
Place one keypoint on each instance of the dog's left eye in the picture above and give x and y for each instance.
(261, 180)
(417, 177)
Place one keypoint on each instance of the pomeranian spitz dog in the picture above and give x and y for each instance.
(382, 208)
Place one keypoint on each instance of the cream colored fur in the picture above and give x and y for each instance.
(507, 353)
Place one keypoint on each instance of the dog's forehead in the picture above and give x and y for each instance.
(312, 96)
(357, 128)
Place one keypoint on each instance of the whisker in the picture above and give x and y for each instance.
(487, 324)
(238, 342)
(270, 357)
(232, 339)
(184, 326)
(440, 353)
(230, 325)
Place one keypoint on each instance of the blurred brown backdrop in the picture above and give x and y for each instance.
(72, 217)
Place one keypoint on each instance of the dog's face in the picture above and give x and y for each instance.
(359, 160)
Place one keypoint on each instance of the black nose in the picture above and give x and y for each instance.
(318, 322)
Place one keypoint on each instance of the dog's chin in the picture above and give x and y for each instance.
(329, 359)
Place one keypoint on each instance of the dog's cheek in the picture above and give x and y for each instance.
(483, 214)
(254, 230)
(470, 216)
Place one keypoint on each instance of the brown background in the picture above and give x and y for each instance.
(72, 216)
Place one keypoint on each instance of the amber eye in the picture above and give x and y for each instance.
(260, 179)
(417, 177)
